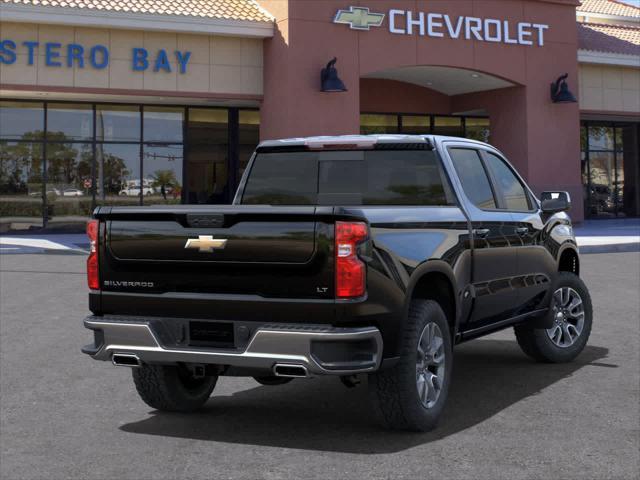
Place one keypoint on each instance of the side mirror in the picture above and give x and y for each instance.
(554, 202)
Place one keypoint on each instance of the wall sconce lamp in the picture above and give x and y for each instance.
(329, 80)
(560, 92)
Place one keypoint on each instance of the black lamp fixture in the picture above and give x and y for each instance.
(560, 92)
(329, 80)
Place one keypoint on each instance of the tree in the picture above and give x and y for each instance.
(20, 165)
(164, 179)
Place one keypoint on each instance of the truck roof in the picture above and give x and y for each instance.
(358, 140)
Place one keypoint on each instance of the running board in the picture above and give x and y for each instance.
(501, 325)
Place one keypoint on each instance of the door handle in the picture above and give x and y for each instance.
(522, 231)
(481, 232)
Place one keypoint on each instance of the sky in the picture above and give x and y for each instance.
(635, 3)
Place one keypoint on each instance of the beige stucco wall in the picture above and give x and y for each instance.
(218, 65)
(609, 88)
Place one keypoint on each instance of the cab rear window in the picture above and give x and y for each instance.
(404, 177)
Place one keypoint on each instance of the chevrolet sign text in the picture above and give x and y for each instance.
(442, 25)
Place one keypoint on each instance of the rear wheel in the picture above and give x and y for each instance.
(412, 394)
(172, 388)
(572, 319)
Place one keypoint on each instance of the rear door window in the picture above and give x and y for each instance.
(473, 177)
(395, 177)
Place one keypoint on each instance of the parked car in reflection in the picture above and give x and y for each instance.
(72, 192)
(132, 188)
(135, 190)
(50, 191)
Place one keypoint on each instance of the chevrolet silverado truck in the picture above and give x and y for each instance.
(352, 256)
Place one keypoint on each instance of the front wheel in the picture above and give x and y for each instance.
(412, 394)
(572, 319)
(172, 388)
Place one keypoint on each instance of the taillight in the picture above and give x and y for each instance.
(92, 262)
(350, 270)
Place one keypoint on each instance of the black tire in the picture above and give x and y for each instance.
(394, 392)
(536, 342)
(172, 388)
(272, 380)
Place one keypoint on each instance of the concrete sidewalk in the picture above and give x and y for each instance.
(594, 236)
(45, 243)
(607, 236)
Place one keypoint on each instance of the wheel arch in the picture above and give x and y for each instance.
(435, 280)
(569, 259)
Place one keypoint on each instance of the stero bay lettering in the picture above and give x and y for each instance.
(141, 60)
(97, 56)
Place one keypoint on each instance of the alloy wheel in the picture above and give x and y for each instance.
(568, 317)
(430, 364)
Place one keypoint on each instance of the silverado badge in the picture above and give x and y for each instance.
(206, 243)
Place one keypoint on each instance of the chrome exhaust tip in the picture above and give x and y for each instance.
(126, 360)
(290, 371)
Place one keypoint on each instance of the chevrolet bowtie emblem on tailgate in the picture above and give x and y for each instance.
(206, 243)
(359, 18)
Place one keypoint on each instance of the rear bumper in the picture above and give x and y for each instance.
(320, 349)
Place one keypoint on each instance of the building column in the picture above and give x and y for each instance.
(293, 103)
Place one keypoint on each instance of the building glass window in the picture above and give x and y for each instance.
(21, 120)
(207, 155)
(69, 122)
(449, 126)
(601, 137)
(118, 174)
(69, 170)
(248, 138)
(610, 169)
(476, 128)
(118, 123)
(416, 124)
(378, 124)
(163, 124)
(162, 174)
(21, 185)
(106, 154)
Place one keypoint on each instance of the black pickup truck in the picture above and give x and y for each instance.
(345, 256)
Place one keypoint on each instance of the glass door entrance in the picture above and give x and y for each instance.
(610, 169)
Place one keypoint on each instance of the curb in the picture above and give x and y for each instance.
(619, 248)
(64, 252)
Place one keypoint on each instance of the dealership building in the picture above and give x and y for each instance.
(129, 102)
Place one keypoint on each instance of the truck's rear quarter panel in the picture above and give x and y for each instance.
(405, 241)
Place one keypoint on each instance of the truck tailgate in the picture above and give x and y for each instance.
(278, 252)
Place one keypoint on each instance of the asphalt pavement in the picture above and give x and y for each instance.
(65, 416)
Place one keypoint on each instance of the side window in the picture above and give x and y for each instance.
(473, 177)
(510, 188)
